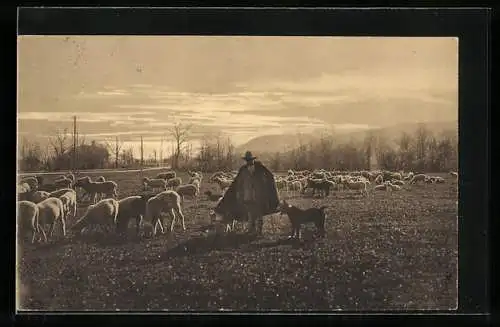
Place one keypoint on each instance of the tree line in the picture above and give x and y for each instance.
(421, 151)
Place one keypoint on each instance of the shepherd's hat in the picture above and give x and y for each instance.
(248, 156)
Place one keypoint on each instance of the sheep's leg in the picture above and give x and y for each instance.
(51, 230)
(173, 219)
(138, 221)
(179, 212)
(33, 238)
(234, 223)
(43, 233)
(63, 222)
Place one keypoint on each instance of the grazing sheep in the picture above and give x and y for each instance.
(434, 179)
(130, 207)
(166, 201)
(158, 184)
(69, 203)
(454, 174)
(58, 193)
(281, 184)
(103, 214)
(51, 210)
(379, 179)
(39, 196)
(196, 182)
(63, 182)
(397, 182)
(226, 218)
(188, 190)
(93, 188)
(166, 175)
(28, 213)
(71, 177)
(358, 186)
(322, 185)
(394, 187)
(418, 178)
(174, 182)
(212, 197)
(409, 176)
(381, 187)
(23, 188)
(223, 182)
(294, 186)
(31, 181)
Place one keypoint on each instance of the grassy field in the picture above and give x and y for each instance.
(385, 252)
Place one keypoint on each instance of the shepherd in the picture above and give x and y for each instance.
(251, 195)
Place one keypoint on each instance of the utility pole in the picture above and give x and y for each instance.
(116, 152)
(161, 152)
(142, 153)
(74, 143)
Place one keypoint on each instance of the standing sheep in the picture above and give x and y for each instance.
(174, 182)
(158, 184)
(130, 207)
(103, 213)
(166, 201)
(188, 190)
(28, 219)
(52, 210)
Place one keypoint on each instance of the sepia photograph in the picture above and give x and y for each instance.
(236, 173)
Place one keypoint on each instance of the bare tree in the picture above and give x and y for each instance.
(180, 133)
(59, 142)
(115, 147)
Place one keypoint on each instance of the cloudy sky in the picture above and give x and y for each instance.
(241, 87)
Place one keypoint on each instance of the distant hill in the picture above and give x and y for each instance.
(285, 142)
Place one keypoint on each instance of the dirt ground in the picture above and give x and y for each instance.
(387, 251)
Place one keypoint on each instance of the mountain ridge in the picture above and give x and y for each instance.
(272, 143)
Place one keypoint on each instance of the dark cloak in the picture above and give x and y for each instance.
(266, 194)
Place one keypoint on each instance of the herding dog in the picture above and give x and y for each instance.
(300, 217)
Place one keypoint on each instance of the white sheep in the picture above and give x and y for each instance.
(294, 186)
(419, 178)
(281, 184)
(28, 219)
(31, 181)
(454, 174)
(103, 214)
(69, 202)
(166, 175)
(224, 218)
(379, 179)
(71, 177)
(39, 196)
(51, 210)
(168, 202)
(174, 182)
(188, 190)
(108, 188)
(409, 176)
(358, 186)
(23, 188)
(394, 187)
(397, 182)
(100, 179)
(158, 184)
(130, 207)
(63, 182)
(223, 182)
(381, 187)
(59, 192)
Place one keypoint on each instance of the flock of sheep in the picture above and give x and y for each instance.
(42, 204)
